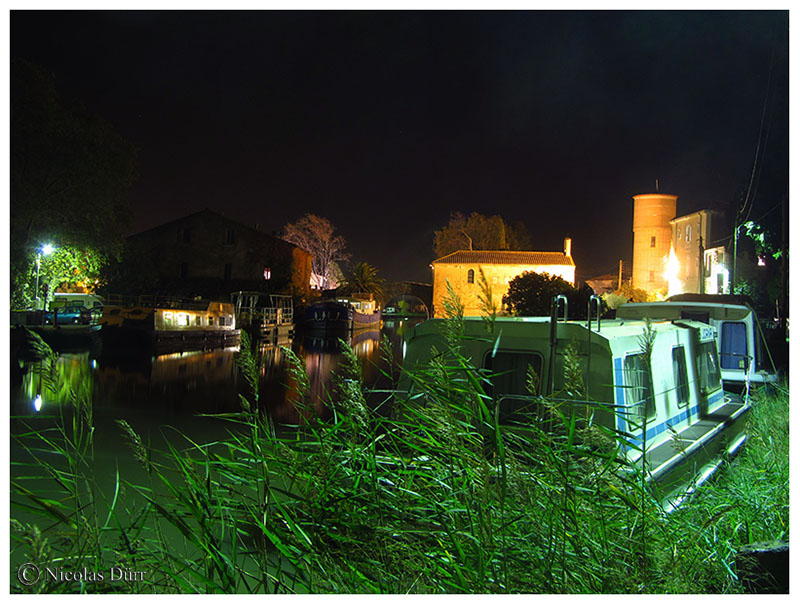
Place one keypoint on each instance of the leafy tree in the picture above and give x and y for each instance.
(531, 294)
(315, 234)
(362, 278)
(479, 232)
(70, 175)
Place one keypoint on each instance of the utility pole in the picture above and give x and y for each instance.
(701, 286)
(619, 280)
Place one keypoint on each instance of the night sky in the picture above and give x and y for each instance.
(385, 122)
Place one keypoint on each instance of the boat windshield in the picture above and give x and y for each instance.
(707, 368)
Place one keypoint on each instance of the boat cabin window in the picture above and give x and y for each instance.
(639, 388)
(210, 320)
(198, 321)
(733, 346)
(708, 377)
(471, 276)
(168, 318)
(509, 375)
(680, 374)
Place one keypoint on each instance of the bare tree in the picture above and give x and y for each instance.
(316, 235)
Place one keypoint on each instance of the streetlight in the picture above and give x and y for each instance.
(46, 249)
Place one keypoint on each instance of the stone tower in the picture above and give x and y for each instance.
(652, 236)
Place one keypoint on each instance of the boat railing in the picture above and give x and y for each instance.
(279, 311)
(154, 301)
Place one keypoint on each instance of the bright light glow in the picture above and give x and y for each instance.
(37, 403)
(762, 262)
(47, 249)
(182, 319)
(671, 274)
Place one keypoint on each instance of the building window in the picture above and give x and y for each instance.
(652, 276)
(688, 233)
(471, 276)
(185, 235)
(228, 269)
(184, 270)
(680, 234)
(267, 273)
(230, 237)
(653, 241)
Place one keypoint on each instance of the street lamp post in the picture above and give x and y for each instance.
(46, 249)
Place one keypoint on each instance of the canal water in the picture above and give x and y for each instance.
(163, 393)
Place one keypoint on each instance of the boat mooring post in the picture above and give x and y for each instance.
(596, 300)
(554, 337)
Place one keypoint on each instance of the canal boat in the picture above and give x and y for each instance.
(672, 409)
(167, 324)
(329, 315)
(366, 314)
(269, 318)
(745, 358)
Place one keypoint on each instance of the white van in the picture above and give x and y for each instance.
(66, 299)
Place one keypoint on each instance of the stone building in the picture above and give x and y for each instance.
(692, 236)
(210, 255)
(699, 261)
(652, 237)
(462, 270)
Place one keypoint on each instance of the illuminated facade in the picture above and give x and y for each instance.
(677, 254)
(462, 270)
(652, 237)
(691, 235)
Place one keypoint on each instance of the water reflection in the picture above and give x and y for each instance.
(179, 385)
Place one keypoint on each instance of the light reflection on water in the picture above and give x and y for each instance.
(171, 388)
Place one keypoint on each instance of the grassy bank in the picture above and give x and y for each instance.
(424, 494)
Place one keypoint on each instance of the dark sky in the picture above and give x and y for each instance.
(385, 122)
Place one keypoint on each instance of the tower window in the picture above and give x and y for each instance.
(653, 241)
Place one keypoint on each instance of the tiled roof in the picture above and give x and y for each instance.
(505, 257)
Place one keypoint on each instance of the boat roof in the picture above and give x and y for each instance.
(672, 310)
(609, 328)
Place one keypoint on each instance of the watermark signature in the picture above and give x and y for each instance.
(30, 574)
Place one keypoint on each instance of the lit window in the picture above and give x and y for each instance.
(653, 241)
(183, 319)
(267, 273)
(168, 318)
(471, 276)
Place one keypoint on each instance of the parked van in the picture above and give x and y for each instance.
(68, 299)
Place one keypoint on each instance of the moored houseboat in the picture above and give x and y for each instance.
(269, 318)
(744, 355)
(166, 324)
(665, 403)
